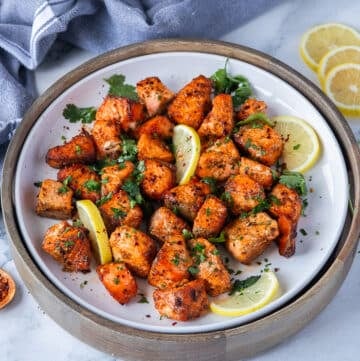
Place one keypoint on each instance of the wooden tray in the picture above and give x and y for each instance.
(230, 344)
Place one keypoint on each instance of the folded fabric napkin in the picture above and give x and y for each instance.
(30, 29)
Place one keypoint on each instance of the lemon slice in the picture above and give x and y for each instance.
(187, 152)
(249, 299)
(302, 146)
(341, 55)
(321, 39)
(91, 218)
(342, 85)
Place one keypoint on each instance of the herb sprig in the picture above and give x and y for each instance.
(75, 114)
(119, 88)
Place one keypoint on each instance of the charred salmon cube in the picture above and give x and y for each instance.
(210, 266)
(210, 218)
(170, 267)
(133, 247)
(251, 106)
(220, 121)
(158, 177)
(118, 211)
(219, 160)
(118, 281)
(164, 224)
(54, 200)
(182, 303)
(192, 102)
(113, 177)
(153, 148)
(82, 180)
(186, 199)
(247, 238)
(69, 245)
(154, 94)
(79, 149)
(159, 127)
(258, 172)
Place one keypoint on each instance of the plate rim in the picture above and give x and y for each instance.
(339, 263)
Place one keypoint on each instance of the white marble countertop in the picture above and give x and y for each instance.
(27, 333)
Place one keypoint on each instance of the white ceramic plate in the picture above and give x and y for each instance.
(323, 223)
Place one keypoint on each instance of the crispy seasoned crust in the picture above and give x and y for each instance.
(68, 245)
(182, 303)
(248, 237)
(187, 198)
(79, 149)
(113, 177)
(82, 180)
(153, 148)
(164, 224)
(117, 211)
(170, 266)
(128, 113)
(210, 265)
(263, 144)
(133, 247)
(251, 106)
(244, 193)
(118, 281)
(219, 160)
(160, 126)
(54, 201)
(220, 121)
(154, 94)
(210, 218)
(258, 172)
(158, 178)
(106, 134)
(192, 102)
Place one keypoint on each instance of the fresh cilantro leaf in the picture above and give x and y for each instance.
(187, 234)
(193, 270)
(238, 86)
(92, 185)
(129, 150)
(239, 286)
(211, 182)
(119, 88)
(118, 213)
(294, 180)
(38, 184)
(220, 239)
(74, 113)
(104, 199)
(142, 299)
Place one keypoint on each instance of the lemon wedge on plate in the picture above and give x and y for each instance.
(187, 147)
(91, 218)
(321, 39)
(302, 146)
(342, 85)
(249, 299)
(338, 56)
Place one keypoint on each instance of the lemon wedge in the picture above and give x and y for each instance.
(187, 152)
(302, 146)
(338, 56)
(342, 85)
(249, 299)
(321, 39)
(91, 218)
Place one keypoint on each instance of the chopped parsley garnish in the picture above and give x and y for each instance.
(220, 239)
(118, 213)
(193, 270)
(64, 188)
(132, 185)
(274, 200)
(78, 149)
(227, 198)
(77, 223)
(129, 150)
(176, 260)
(119, 88)
(303, 232)
(187, 234)
(104, 199)
(83, 284)
(208, 212)
(68, 244)
(116, 280)
(38, 184)
(211, 182)
(198, 252)
(296, 147)
(256, 119)
(75, 114)
(142, 299)
(294, 180)
(240, 285)
(238, 86)
(92, 185)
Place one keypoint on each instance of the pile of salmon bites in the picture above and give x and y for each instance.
(125, 164)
